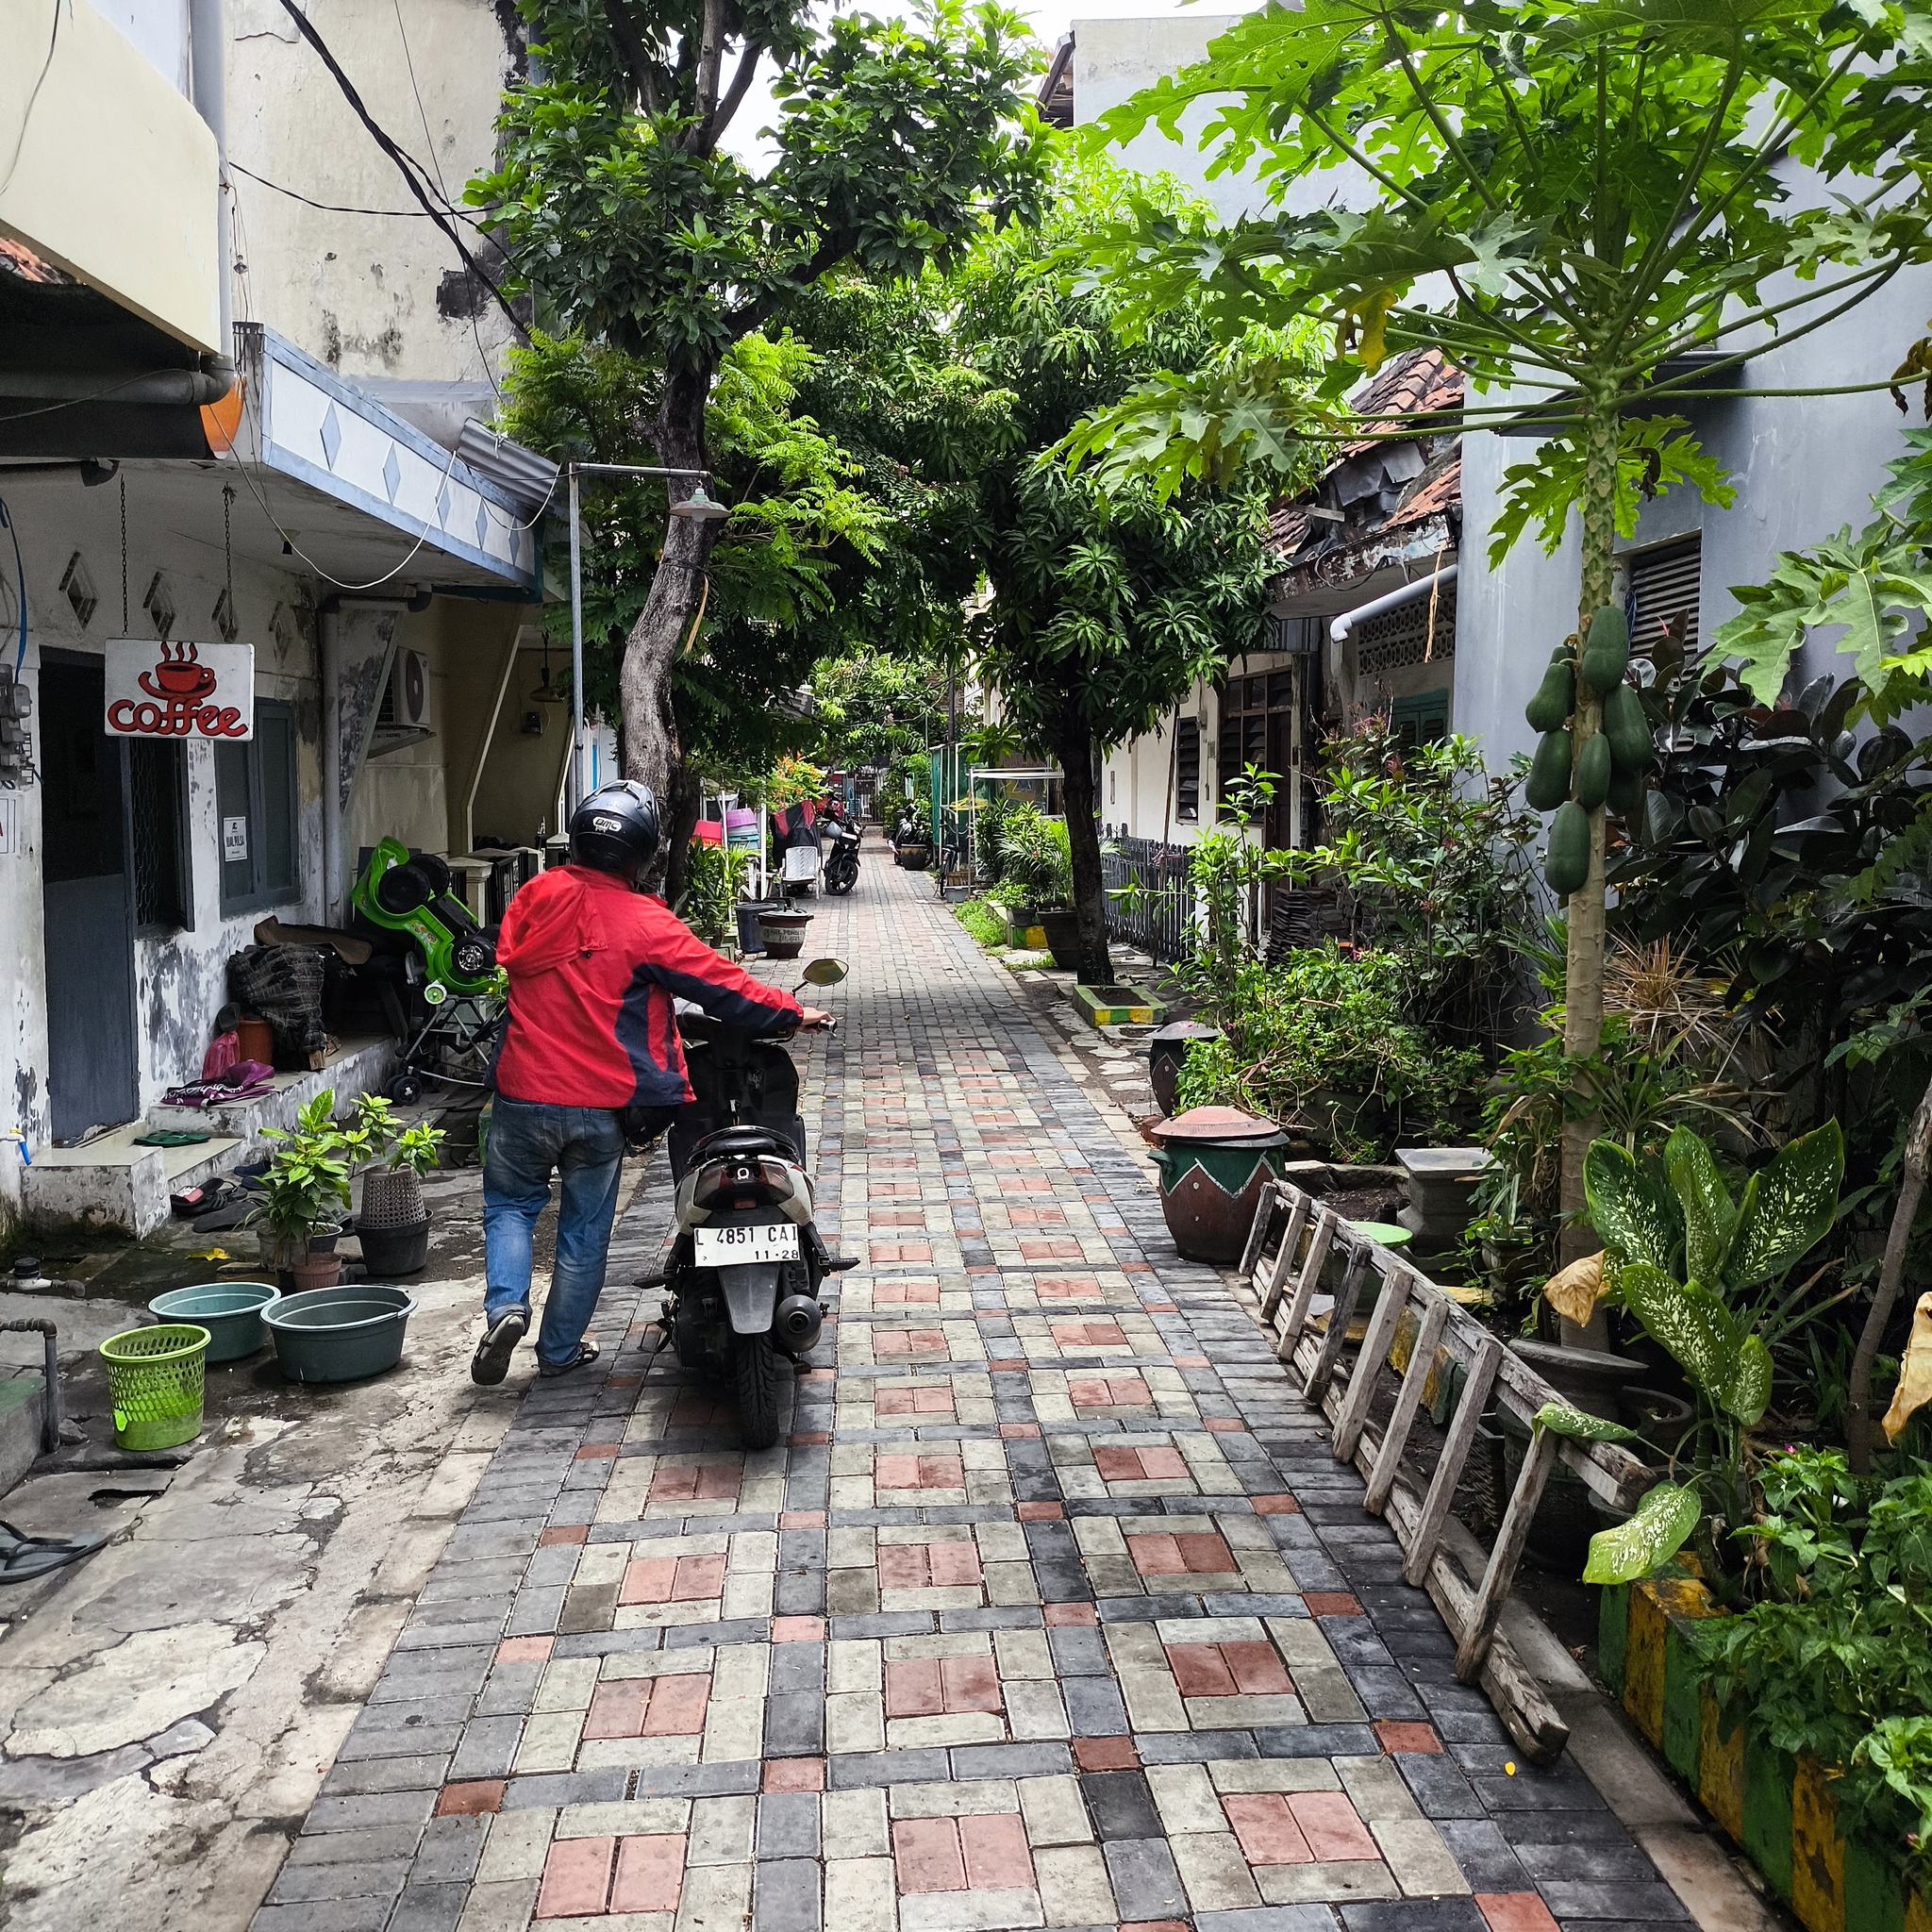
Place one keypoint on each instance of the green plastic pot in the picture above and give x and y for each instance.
(231, 1311)
(340, 1334)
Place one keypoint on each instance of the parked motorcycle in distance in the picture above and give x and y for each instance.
(842, 868)
(746, 1259)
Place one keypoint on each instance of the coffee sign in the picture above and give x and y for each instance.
(171, 689)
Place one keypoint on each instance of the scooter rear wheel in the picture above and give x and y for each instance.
(757, 1371)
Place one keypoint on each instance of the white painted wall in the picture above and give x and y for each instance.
(157, 28)
(179, 981)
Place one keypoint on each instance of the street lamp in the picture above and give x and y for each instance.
(698, 506)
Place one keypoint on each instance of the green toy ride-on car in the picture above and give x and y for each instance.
(451, 1004)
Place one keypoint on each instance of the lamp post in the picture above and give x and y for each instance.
(697, 508)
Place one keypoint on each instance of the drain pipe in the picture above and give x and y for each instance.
(207, 42)
(329, 653)
(1407, 594)
(50, 1350)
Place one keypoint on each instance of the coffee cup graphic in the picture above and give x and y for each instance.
(180, 675)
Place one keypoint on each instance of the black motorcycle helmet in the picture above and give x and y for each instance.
(617, 829)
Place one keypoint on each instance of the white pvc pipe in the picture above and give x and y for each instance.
(1375, 608)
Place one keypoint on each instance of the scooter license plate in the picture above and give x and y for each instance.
(733, 1246)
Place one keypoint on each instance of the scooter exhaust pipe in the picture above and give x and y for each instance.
(795, 1324)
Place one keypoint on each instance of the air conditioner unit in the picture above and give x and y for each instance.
(403, 716)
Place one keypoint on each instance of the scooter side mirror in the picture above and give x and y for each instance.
(826, 972)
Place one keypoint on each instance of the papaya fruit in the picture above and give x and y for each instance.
(1625, 795)
(1566, 864)
(1627, 729)
(1555, 697)
(1548, 784)
(1593, 783)
(1606, 650)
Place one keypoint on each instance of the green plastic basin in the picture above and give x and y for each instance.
(231, 1312)
(339, 1334)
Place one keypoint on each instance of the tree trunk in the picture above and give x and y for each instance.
(1892, 1275)
(1583, 976)
(651, 747)
(1073, 747)
(684, 794)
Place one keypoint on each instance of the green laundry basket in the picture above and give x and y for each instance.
(155, 1376)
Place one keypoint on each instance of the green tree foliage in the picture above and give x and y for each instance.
(1572, 197)
(618, 208)
(1109, 598)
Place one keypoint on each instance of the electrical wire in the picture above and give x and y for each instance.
(41, 81)
(330, 207)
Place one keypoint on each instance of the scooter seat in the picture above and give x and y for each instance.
(728, 1141)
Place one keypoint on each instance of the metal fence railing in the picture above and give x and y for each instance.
(1158, 917)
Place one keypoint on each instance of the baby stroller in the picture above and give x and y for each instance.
(441, 985)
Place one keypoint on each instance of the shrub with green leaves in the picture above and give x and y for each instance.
(1321, 1041)
(1704, 1273)
(1035, 859)
(1836, 1660)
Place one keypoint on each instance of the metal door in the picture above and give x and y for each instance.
(91, 1077)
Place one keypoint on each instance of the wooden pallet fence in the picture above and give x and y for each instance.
(1287, 1253)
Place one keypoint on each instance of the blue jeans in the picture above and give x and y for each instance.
(529, 1141)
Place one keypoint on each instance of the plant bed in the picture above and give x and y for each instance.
(1778, 1810)
(1025, 933)
(1119, 1006)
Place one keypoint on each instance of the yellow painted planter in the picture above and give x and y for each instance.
(1778, 1810)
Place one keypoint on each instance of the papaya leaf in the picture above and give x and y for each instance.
(1655, 1533)
(1710, 1216)
(1579, 1426)
(1631, 1213)
(1687, 1320)
(1791, 1210)
(1747, 1395)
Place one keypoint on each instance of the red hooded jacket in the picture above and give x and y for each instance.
(593, 968)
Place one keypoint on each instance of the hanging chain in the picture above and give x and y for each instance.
(228, 544)
(123, 556)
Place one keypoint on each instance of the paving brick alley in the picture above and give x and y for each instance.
(1054, 1611)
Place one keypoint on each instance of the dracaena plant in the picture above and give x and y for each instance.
(1705, 1274)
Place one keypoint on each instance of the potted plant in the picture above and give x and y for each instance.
(1035, 861)
(304, 1196)
(394, 1226)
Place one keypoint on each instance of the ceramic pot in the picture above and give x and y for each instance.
(783, 933)
(1166, 1050)
(1215, 1164)
(915, 857)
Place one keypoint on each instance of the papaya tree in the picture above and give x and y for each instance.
(1598, 209)
(620, 206)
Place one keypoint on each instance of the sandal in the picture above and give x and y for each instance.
(23, 1557)
(587, 1352)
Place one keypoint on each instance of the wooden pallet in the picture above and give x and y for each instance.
(1288, 1248)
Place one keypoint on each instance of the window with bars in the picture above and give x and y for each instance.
(1187, 770)
(157, 827)
(254, 797)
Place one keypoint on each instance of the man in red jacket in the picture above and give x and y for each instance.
(594, 964)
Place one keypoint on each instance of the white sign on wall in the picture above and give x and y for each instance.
(234, 839)
(175, 690)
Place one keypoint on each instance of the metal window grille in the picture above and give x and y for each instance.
(156, 782)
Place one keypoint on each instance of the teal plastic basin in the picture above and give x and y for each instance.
(339, 1334)
(231, 1311)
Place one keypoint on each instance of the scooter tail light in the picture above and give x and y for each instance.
(777, 1177)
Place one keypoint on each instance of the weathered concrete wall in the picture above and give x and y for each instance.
(180, 979)
(381, 294)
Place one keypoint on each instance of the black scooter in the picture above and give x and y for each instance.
(747, 1259)
(842, 869)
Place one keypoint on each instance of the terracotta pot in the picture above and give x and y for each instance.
(1166, 1050)
(316, 1271)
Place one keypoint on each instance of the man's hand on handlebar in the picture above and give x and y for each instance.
(813, 1017)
